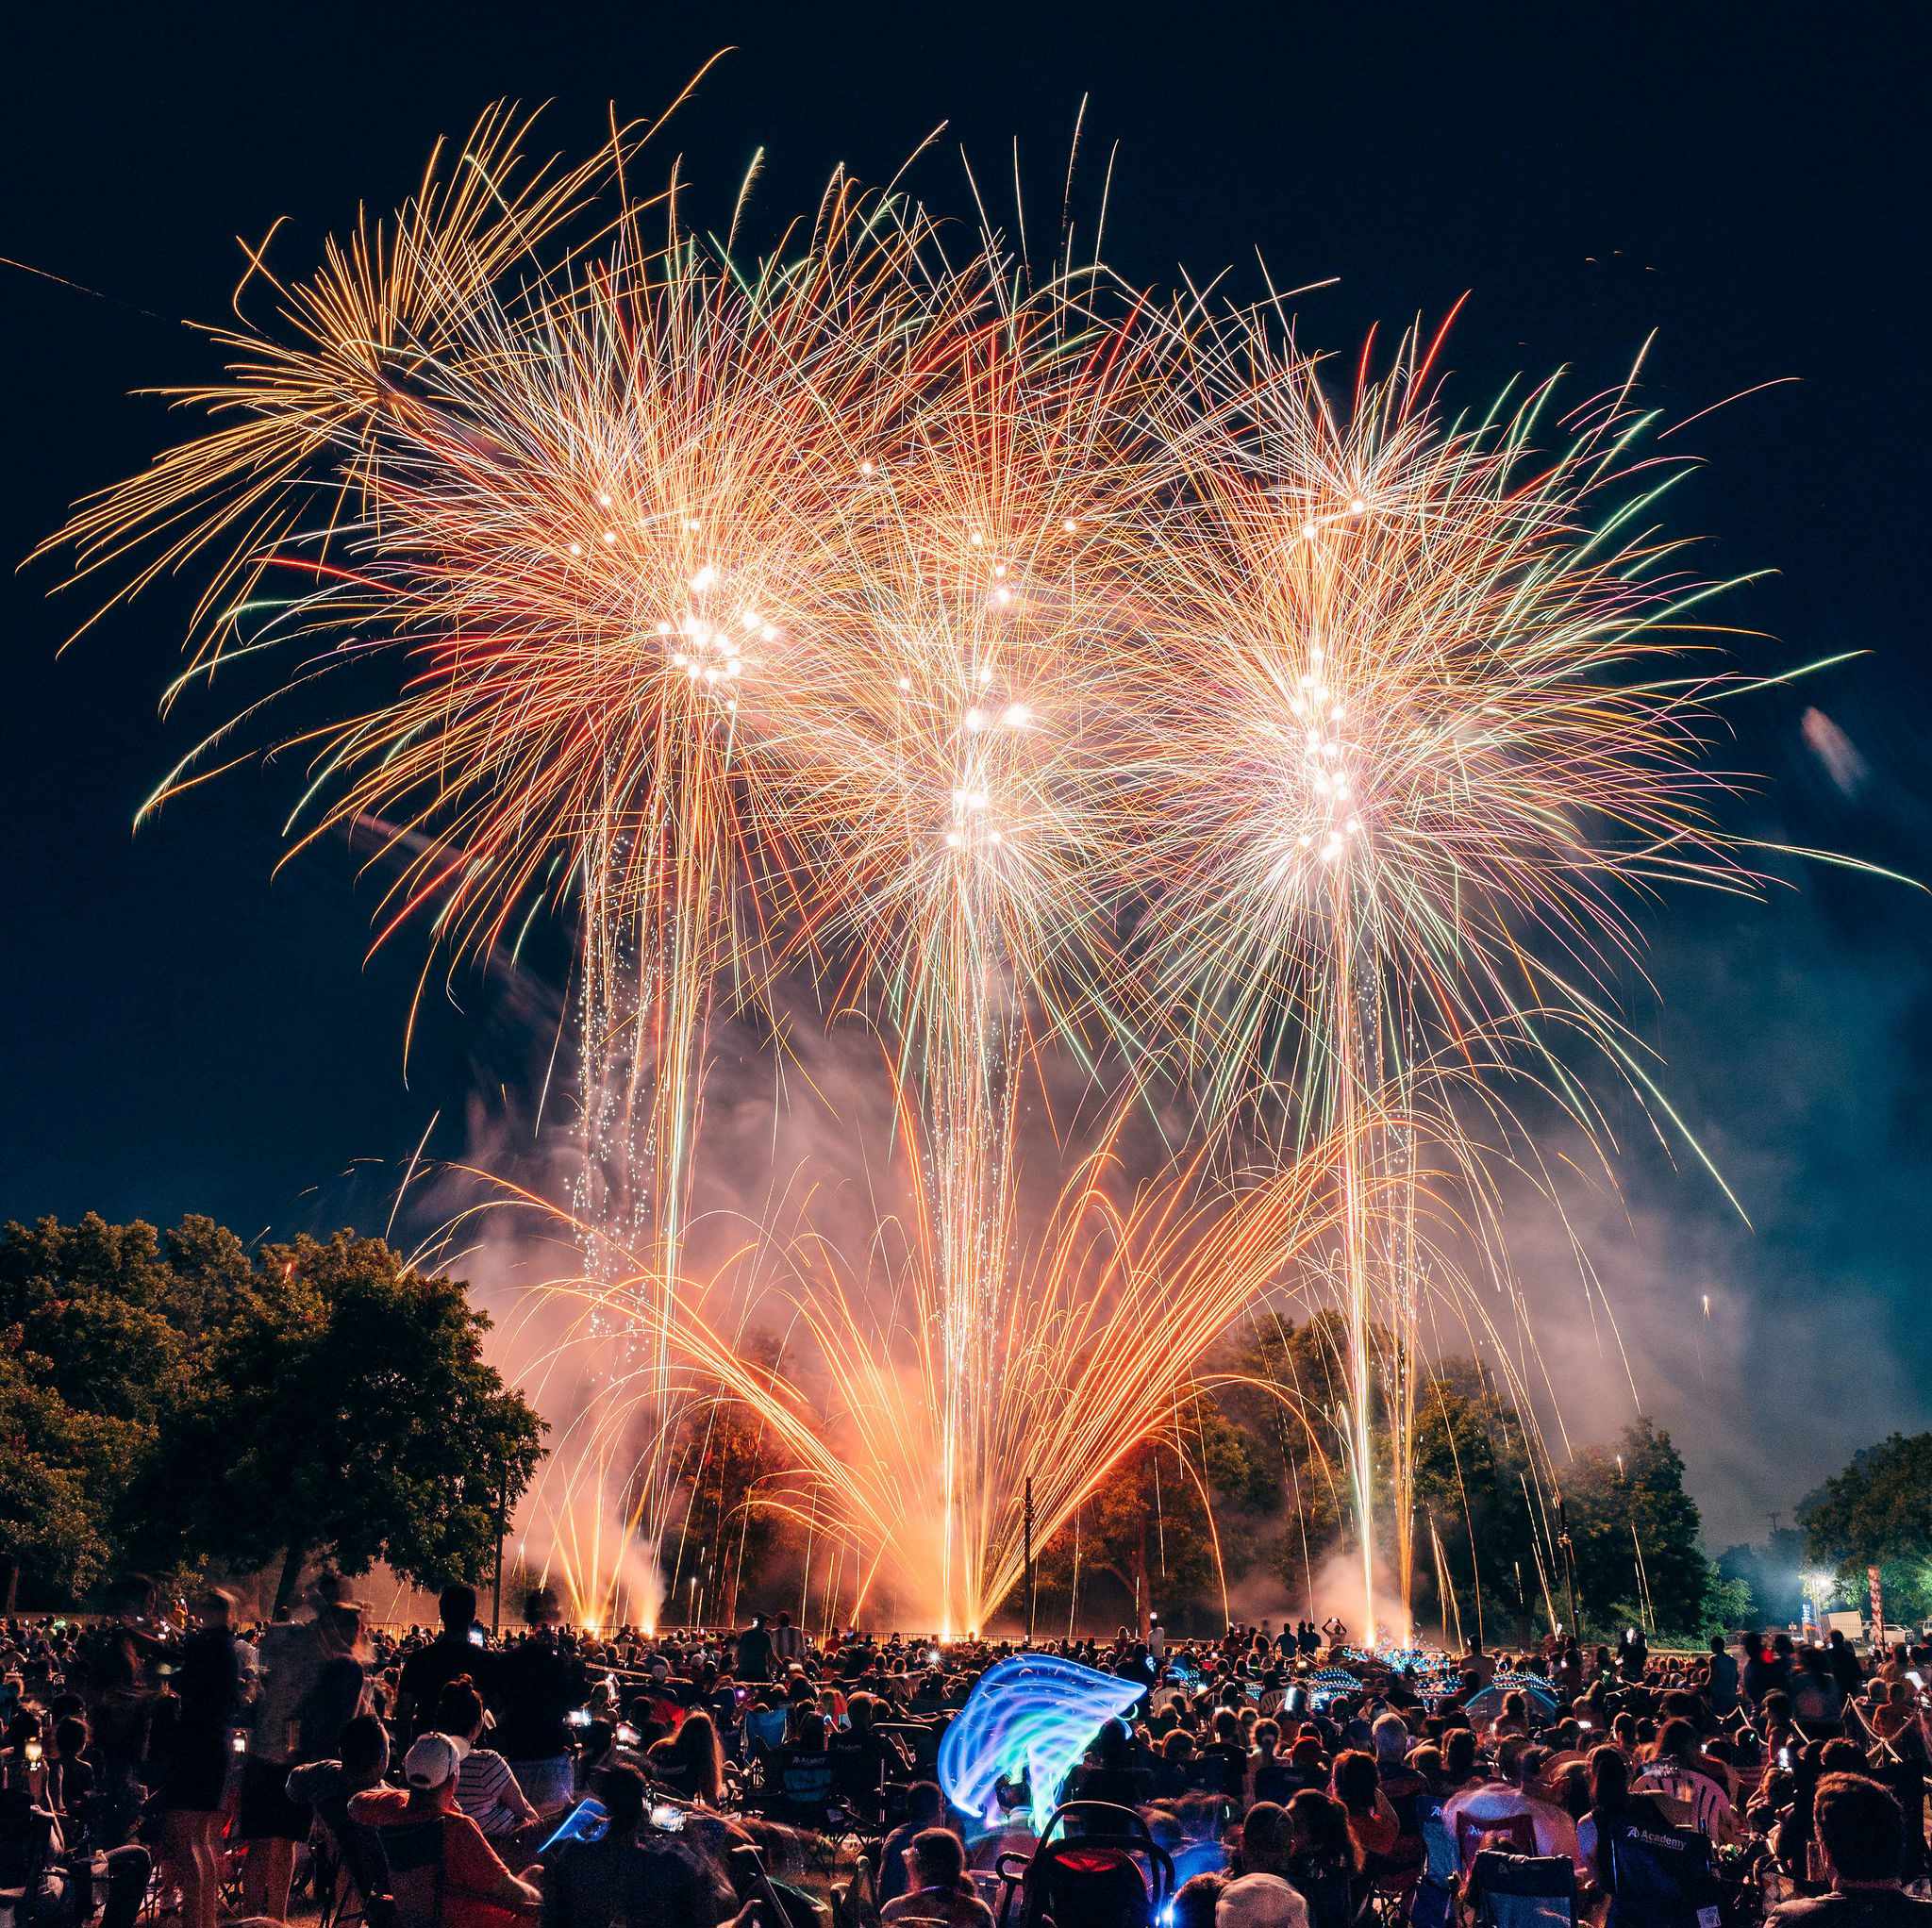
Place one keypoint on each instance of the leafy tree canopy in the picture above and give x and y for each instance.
(176, 1398)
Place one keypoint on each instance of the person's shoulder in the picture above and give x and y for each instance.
(378, 1806)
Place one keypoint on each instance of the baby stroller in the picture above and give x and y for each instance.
(1095, 1865)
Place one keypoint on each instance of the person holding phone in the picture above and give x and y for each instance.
(431, 1669)
(634, 1875)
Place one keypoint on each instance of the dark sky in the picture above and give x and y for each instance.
(1746, 182)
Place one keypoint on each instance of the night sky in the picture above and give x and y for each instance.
(1748, 183)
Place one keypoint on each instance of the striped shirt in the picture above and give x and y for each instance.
(486, 1791)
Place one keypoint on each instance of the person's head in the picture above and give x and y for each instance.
(365, 1750)
(1860, 1829)
(1717, 1643)
(1389, 1738)
(1676, 1741)
(1260, 1900)
(1841, 1756)
(1265, 1842)
(805, 1728)
(1355, 1780)
(1512, 1760)
(541, 1610)
(1194, 1901)
(1267, 1735)
(1459, 1753)
(430, 1769)
(619, 1789)
(937, 1858)
(1318, 1826)
(1177, 1746)
(696, 1746)
(458, 1710)
(784, 1618)
(216, 1607)
(456, 1607)
(339, 1628)
(69, 1737)
(1609, 1778)
(923, 1802)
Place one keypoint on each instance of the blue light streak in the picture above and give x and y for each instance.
(1030, 1718)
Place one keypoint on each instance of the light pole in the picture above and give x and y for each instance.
(1027, 1543)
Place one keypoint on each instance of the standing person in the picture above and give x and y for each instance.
(755, 1650)
(207, 1681)
(533, 1688)
(265, 1818)
(119, 1707)
(431, 1669)
(1723, 1680)
(788, 1642)
(1845, 1666)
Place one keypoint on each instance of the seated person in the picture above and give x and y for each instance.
(799, 1776)
(633, 1875)
(1260, 1900)
(1507, 1797)
(1861, 1835)
(690, 1764)
(466, 1886)
(939, 1890)
(54, 1893)
(926, 1807)
(486, 1791)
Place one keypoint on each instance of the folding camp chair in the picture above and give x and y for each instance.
(1662, 1878)
(1522, 1890)
(1511, 1834)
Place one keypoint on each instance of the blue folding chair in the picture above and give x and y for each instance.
(1522, 1890)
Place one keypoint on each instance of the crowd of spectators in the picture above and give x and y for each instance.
(185, 1764)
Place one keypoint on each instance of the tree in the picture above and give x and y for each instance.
(57, 1480)
(1772, 1574)
(369, 1427)
(172, 1398)
(1635, 1532)
(1473, 1479)
(1878, 1509)
(724, 1531)
(1146, 1527)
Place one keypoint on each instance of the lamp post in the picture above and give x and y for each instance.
(1027, 1538)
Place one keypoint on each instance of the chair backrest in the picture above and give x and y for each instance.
(414, 1853)
(1514, 1834)
(1523, 1891)
(1438, 1845)
(1662, 1876)
(1706, 1800)
(362, 1852)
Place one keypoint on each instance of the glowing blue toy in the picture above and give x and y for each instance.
(1030, 1718)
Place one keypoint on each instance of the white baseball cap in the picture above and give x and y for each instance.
(431, 1761)
(1260, 1900)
